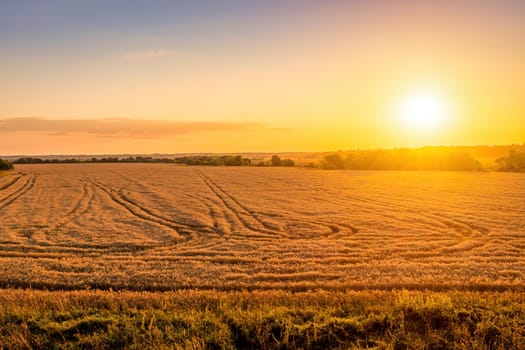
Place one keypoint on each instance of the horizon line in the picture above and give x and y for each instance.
(260, 152)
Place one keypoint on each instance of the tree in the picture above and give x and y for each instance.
(514, 162)
(333, 161)
(287, 162)
(5, 165)
(462, 161)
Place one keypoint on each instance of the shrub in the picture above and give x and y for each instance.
(401, 159)
(5, 165)
(514, 162)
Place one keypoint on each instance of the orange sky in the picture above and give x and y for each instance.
(265, 76)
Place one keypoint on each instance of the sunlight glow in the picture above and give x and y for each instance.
(423, 111)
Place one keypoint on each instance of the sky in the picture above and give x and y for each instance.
(106, 77)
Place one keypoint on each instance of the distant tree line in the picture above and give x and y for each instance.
(277, 161)
(139, 159)
(400, 159)
(440, 158)
(225, 160)
(231, 161)
(5, 165)
(214, 160)
(188, 160)
(515, 162)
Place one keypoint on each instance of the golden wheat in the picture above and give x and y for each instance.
(164, 227)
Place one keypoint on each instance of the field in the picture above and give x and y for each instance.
(234, 234)
(163, 227)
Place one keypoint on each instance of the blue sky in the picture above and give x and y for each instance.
(329, 72)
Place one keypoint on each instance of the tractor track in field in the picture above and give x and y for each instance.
(182, 231)
(245, 217)
(9, 183)
(469, 236)
(13, 196)
(81, 206)
(223, 222)
(233, 205)
(199, 227)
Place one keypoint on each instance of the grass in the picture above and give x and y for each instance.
(261, 320)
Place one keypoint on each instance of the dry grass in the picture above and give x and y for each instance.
(162, 227)
(262, 320)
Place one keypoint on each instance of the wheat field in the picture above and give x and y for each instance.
(159, 227)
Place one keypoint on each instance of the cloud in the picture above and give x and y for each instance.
(121, 128)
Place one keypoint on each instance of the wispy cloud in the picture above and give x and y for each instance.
(121, 128)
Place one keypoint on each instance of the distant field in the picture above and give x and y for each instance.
(162, 227)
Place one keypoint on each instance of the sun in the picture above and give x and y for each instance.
(423, 111)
